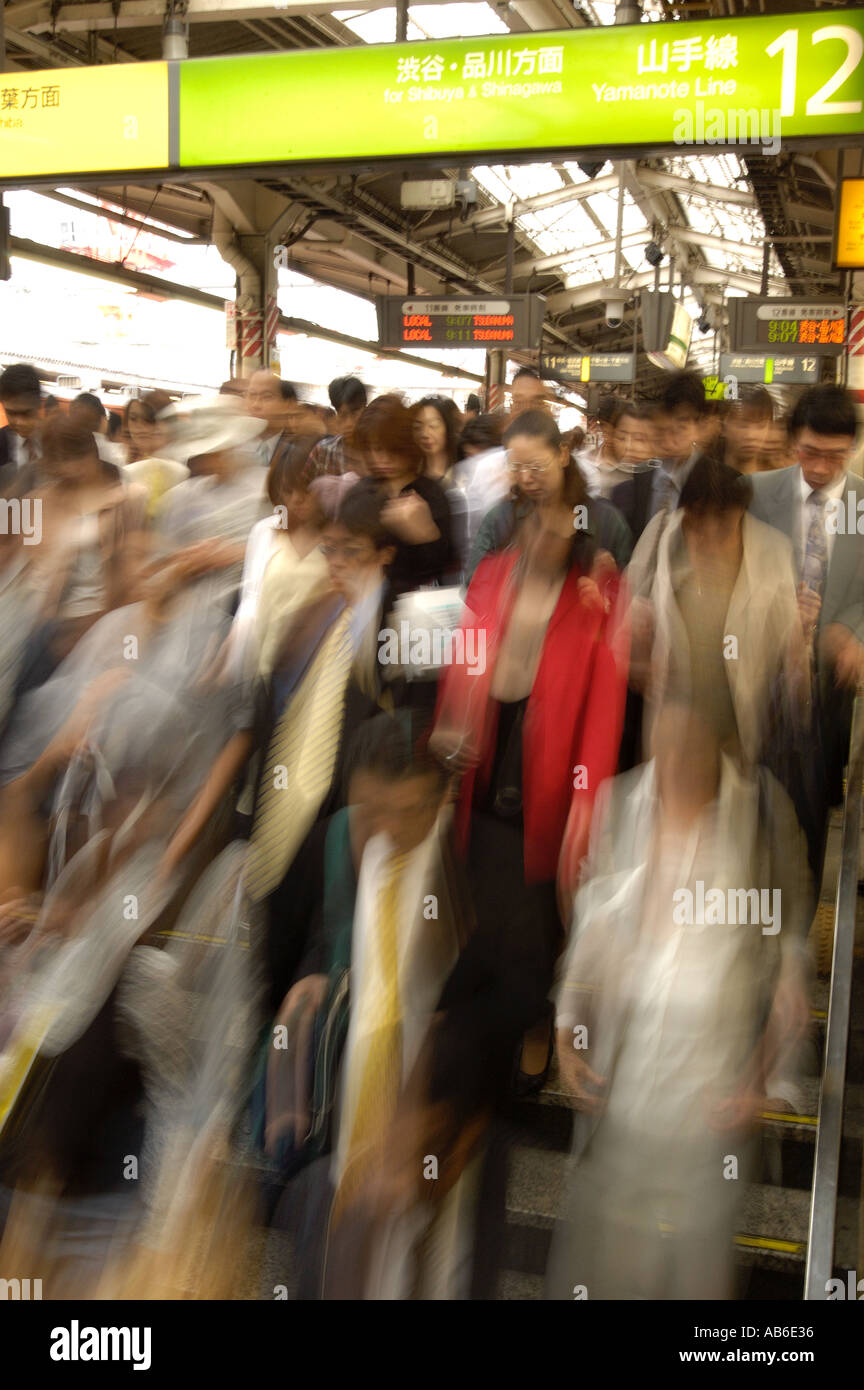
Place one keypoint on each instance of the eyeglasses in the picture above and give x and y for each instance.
(348, 552)
(807, 454)
(534, 470)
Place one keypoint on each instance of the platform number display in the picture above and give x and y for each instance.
(787, 47)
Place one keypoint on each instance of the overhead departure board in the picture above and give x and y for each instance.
(514, 321)
(797, 326)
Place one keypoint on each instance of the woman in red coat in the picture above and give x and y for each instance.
(533, 736)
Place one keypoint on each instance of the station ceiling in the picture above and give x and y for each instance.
(712, 213)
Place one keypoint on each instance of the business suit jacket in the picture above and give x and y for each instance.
(777, 500)
(298, 650)
(633, 500)
(371, 1254)
(8, 452)
(283, 447)
(14, 480)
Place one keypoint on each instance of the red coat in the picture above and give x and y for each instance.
(573, 718)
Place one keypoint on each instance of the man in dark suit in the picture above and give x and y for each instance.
(326, 680)
(815, 503)
(681, 422)
(20, 451)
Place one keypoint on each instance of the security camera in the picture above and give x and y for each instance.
(615, 301)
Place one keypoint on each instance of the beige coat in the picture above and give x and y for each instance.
(762, 617)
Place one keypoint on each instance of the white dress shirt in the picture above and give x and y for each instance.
(602, 477)
(267, 447)
(24, 451)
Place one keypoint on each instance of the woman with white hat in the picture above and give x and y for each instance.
(215, 510)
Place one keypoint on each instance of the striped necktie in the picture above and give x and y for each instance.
(381, 1076)
(300, 761)
(815, 564)
(667, 492)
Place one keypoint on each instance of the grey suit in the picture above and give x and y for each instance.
(777, 500)
(15, 481)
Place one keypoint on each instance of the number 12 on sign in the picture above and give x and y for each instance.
(818, 105)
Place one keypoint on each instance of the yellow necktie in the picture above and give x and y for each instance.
(382, 1068)
(299, 763)
(19, 1055)
(158, 488)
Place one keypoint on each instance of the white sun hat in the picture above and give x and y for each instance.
(205, 425)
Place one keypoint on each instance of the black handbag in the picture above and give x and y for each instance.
(295, 1151)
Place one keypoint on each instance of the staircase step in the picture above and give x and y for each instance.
(545, 1121)
(772, 1227)
(526, 1288)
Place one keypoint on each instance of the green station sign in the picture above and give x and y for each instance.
(717, 82)
(757, 81)
(779, 370)
(599, 366)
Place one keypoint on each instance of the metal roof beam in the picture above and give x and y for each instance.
(53, 54)
(536, 265)
(103, 270)
(331, 336)
(735, 248)
(803, 212)
(489, 217)
(137, 14)
(676, 183)
(585, 295)
(139, 223)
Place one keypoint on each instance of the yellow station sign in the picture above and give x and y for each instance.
(84, 120)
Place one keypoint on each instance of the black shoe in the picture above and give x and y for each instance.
(530, 1083)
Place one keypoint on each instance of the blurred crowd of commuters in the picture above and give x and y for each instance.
(368, 903)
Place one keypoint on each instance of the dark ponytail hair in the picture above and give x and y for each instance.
(713, 487)
(537, 424)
